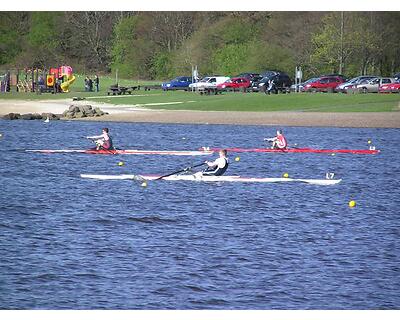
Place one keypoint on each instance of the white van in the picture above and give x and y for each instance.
(209, 82)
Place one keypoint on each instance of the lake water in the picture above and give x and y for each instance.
(70, 243)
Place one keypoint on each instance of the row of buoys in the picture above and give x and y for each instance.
(352, 203)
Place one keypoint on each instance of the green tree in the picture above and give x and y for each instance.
(43, 38)
(13, 26)
(122, 52)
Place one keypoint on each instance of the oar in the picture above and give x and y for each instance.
(179, 171)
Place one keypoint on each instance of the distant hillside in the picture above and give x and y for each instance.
(158, 45)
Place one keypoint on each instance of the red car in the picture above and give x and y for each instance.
(325, 84)
(390, 87)
(234, 83)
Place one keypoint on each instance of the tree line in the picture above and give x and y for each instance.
(159, 45)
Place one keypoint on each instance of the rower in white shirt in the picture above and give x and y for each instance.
(217, 167)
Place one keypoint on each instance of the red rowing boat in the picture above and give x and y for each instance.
(296, 150)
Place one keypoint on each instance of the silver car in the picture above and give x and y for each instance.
(373, 85)
(343, 87)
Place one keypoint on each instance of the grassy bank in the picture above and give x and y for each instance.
(179, 100)
(260, 102)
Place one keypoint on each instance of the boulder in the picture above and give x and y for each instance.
(98, 111)
(12, 116)
(82, 112)
(27, 116)
(50, 115)
(86, 108)
(37, 116)
(73, 108)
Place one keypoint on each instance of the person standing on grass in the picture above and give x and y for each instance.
(90, 82)
(87, 83)
(96, 82)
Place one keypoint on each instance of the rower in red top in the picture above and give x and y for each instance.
(103, 141)
(279, 142)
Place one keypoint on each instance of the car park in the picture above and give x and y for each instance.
(300, 86)
(344, 78)
(390, 87)
(253, 77)
(323, 84)
(352, 83)
(208, 82)
(179, 83)
(373, 85)
(281, 80)
(234, 84)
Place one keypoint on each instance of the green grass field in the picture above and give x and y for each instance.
(180, 100)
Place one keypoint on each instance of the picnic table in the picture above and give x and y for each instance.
(118, 90)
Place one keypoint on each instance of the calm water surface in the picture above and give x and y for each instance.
(70, 243)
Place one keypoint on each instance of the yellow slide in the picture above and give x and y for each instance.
(65, 85)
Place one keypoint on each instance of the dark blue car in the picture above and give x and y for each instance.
(179, 83)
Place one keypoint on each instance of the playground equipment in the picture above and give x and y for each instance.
(63, 75)
(53, 80)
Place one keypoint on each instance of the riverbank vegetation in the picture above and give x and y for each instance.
(161, 45)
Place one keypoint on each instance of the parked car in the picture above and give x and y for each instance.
(177, 83)
(336, 75)
(281, 80)
(209, 82)
(374, 84)
(300, 86)
(323, 84)
(234, 83)
(253, 77)
(390, 87)
(352, 83)
(397, 76)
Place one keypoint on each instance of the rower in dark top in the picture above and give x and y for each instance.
(217, 167)
(103, 141)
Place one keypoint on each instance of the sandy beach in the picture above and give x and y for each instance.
(129, 113)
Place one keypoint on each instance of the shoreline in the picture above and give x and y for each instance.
(129, 113)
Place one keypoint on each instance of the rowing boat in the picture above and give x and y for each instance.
(194, 177)
(137, 152)
(296, 150)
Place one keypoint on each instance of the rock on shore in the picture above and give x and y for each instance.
(73, 112)
(31, 116)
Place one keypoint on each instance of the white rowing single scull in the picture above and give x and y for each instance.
(195, 177)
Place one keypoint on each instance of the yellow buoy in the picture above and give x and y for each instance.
(144, 184)
(121, 163)
(369, 141)
(237, 159)
(286, 175)
(352, 204)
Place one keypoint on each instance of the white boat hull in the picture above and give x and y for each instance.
(193, 177)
